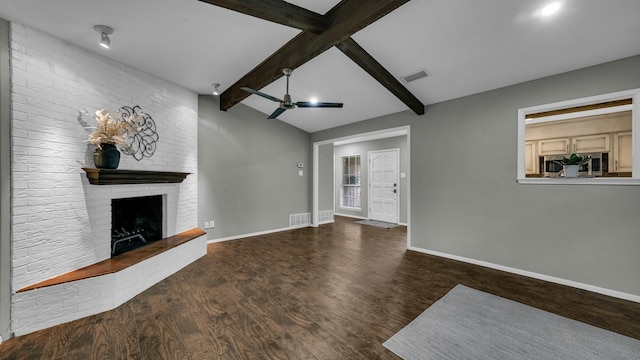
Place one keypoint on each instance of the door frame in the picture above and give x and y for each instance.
(379, 134)
(397, 181)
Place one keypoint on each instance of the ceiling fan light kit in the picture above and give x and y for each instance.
(286, 103)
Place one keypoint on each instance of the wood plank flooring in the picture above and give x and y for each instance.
(333, 292)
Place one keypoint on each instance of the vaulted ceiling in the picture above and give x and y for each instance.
(467, 46)
(320, 33)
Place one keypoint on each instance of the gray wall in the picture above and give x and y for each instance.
(247, 170)
(5, 189)
(465, 200)
(362, 149)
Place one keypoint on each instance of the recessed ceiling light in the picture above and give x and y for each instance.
(104, 32)
(550, 9)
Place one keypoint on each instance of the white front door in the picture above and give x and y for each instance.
(383, 185)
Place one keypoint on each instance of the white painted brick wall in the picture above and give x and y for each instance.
(59, 222)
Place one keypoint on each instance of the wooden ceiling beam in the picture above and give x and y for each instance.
(345, 19)
(277, 11)
(361, 57)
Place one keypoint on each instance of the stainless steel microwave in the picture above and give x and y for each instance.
(597, 165)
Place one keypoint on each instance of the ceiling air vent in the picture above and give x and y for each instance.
(416, 75)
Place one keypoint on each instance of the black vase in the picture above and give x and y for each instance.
(106, 158)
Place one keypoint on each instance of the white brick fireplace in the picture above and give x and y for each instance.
(60, 222)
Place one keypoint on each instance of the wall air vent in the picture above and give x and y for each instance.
(325, 216)
(299, 220)
(416, 75)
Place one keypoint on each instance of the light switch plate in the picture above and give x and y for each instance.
(300, 173)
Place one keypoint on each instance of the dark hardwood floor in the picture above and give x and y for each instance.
(334, 292)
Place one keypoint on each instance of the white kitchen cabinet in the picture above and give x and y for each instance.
(622, 160)
(531, 161)
(591, 143)
(558, 146)
(578, 144)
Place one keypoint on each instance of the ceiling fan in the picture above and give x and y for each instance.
(287, 104)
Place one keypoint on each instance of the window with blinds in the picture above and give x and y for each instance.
(350, 189)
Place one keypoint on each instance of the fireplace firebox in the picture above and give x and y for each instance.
(135, 222)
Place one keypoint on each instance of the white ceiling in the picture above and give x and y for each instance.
(468, 46)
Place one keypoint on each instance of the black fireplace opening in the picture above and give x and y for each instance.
(135, 222)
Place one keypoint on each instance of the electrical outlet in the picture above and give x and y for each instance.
(212, 224)
(206, 224)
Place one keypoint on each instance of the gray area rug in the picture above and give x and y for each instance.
(471, 324)
(377, 223)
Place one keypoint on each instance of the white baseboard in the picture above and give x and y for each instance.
(352, 216)
(255, 234)
(575, 284)
(326, 222)
(364, 218)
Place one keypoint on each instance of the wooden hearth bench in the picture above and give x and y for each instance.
(122, 261)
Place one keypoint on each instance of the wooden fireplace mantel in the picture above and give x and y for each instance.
(118, 176)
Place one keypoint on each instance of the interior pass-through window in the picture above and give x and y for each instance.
(597, 134)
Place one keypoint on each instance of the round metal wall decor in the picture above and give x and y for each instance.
(142, 143)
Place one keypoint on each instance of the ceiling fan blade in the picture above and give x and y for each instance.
(276, 113)
(307, 104)
(266, 96)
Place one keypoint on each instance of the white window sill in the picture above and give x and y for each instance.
(580, 181)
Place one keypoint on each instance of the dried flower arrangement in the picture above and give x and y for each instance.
(112, 130)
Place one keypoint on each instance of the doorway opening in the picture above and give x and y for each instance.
(320, 187)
